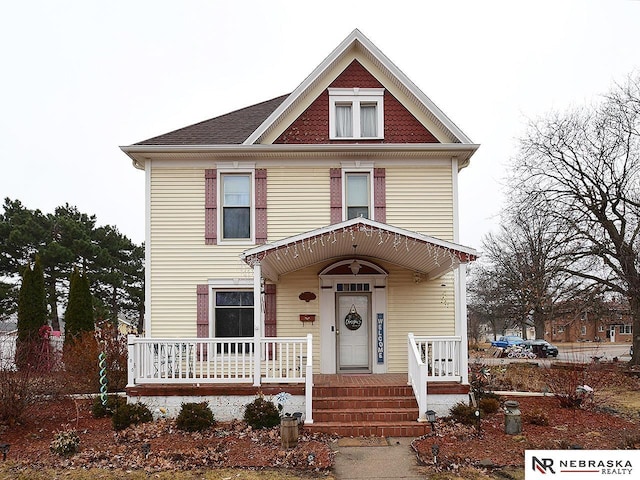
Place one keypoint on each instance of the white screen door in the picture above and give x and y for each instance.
(352, 328)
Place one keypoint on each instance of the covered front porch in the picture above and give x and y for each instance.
(371, 299)
(166, 372)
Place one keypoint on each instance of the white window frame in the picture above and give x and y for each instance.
(626, 329)
(355, 97)
(229, 285)
(239, 170)
(583, 330)
(345, 173)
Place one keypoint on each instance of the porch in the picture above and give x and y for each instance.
(228, 373)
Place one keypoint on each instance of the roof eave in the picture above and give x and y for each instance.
(139, 154)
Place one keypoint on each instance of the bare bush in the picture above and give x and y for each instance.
(81, 361)
(574, 384)
(21, 388)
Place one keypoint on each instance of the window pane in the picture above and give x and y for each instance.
(236, 222)
(236, 190)
(225, 299)
(358, 189)
(355, 212)
(246, 299)
(368, 120)
(344, 121)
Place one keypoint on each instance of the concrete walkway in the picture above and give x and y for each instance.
(376, 458)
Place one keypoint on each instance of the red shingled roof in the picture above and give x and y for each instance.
(228, 129)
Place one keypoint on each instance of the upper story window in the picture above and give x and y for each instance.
(356, 113)
(357, 194)
(236, 199)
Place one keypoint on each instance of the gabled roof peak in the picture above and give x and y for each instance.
(356, 43)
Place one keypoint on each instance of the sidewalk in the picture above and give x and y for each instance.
(376, 458)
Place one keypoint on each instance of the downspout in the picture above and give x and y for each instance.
(147, 250)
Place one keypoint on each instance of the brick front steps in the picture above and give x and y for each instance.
(366, 410)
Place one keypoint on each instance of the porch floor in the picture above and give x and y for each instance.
(359, 379)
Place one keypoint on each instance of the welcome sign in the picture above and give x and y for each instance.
(380, 337)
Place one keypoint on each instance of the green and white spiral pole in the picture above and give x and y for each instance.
(102, 364)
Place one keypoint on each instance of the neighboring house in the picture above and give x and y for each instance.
(607, 321)
(127, 326)
(296, 242)
(8, 348)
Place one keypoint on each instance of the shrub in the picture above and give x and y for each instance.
(130, 414)
(195, 417)
(113, 403)
(65, 443)
(81, 360)
(261, 413)
(567, 383)
(81, 363)
(536, 417)
(463, 413)
(489, 405)
(19, 389)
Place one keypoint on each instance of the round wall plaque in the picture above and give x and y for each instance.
(353, 320)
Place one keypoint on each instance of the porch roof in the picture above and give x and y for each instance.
(414, 251)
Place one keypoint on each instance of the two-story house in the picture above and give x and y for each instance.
(308, 244)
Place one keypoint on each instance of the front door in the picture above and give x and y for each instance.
(352, 332)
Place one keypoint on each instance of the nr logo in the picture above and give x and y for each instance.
(542, 465)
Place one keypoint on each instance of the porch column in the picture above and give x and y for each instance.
(257, 322)
(461, 321)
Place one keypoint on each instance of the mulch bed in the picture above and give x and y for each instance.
(489, 446)
(227, 444)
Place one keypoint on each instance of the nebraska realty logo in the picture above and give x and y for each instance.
(578, 464)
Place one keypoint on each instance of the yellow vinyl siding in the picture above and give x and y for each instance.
(297, 201)
(426, 308)
(180, 260)
(420, 199)
(289, 307)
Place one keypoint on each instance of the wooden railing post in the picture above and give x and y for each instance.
(131, 362)
(308, 382)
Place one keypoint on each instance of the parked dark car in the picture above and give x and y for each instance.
(541, 348)
(507, 341)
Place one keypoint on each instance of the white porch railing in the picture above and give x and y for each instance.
(217, 360)
(431, 359)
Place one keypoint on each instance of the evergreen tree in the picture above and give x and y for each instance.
(32, 314)
(79, 315)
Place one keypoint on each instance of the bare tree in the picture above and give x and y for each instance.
(488, 303)
(581, 170)
(530, 258)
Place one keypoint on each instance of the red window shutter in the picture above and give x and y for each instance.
(270, 310)
(380, 195)
(336, 194)
(210, 207)
(261, 205)
(202, 311)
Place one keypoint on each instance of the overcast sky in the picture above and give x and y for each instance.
(81, 77)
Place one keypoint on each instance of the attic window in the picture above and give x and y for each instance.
(356, 113)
